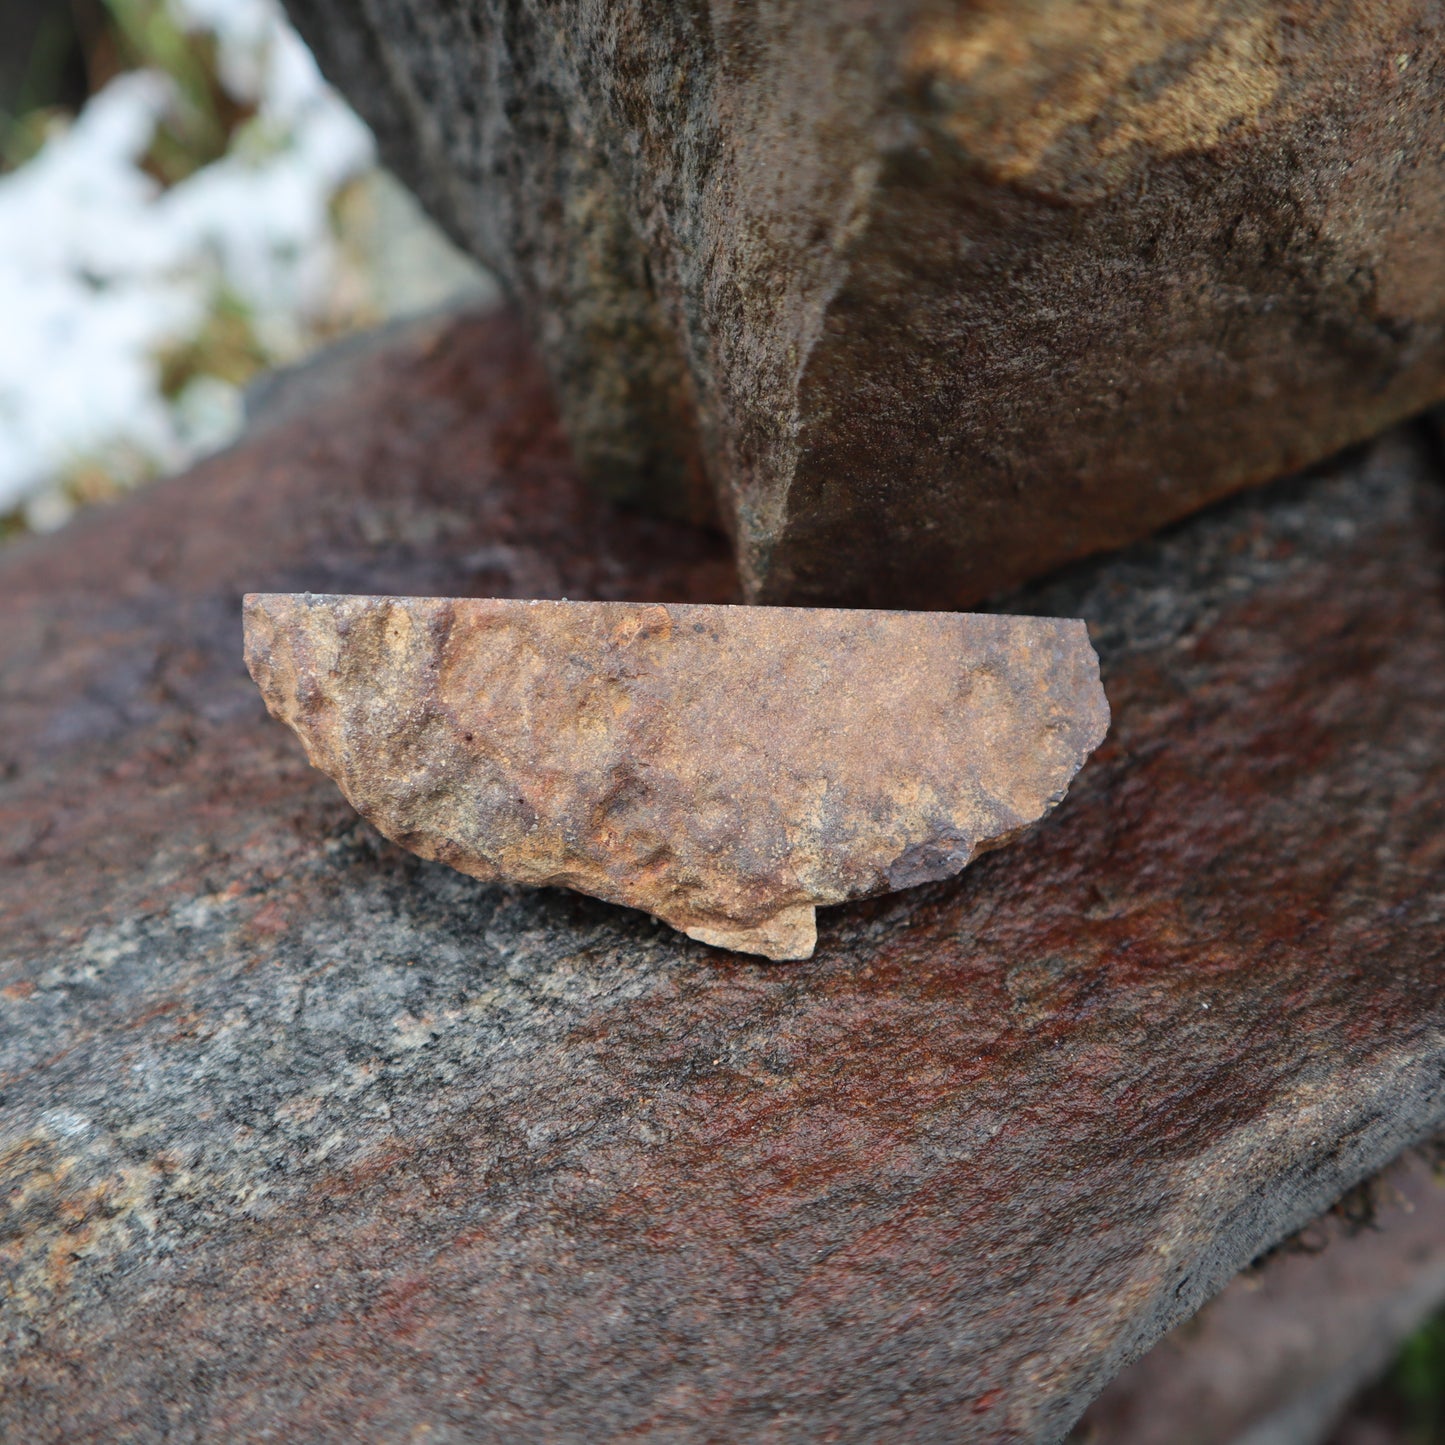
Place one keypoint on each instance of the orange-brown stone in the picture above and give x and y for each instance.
(726, 768)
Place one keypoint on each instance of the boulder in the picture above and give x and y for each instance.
(305, 1137)
(932, 296)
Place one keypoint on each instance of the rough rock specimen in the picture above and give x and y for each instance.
(725, 768)
(304, 1138)
(938, 292)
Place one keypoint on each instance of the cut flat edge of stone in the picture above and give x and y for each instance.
(727, 769)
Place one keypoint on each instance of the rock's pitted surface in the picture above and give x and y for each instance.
(302, 1137)
(725, 768)
(938, 293)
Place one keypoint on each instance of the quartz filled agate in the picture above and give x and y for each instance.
(727, 769)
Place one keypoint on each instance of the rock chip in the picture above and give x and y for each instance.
(725, 768)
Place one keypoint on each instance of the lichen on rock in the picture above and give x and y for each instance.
(728, 769)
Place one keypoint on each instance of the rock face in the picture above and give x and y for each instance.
(724, 768)
(304, 1138)
(1275, 1357)
(936, 294)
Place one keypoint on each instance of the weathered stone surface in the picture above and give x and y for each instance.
(940, 292)
(725, 768)
(309, 1139)
(1277, 1355)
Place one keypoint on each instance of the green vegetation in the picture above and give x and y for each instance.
(1415, 1386)
(226, 347)
(97, 41)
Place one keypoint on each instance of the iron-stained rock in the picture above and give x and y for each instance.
(725, 768)
(305, 1138)
(1280, 1351)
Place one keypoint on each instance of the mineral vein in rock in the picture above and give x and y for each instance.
(727, 769)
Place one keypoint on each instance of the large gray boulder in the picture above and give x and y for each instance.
(931, 296)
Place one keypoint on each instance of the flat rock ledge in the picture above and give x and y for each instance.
(726, 769)
(303, 1137)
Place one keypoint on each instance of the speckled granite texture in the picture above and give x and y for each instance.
(307, 1139)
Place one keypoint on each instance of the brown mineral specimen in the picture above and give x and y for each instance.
(725, 768)
(936, 294)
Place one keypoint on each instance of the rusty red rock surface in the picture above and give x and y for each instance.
(306, 1138)
(727, 769)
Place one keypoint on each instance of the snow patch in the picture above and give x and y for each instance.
(102, 270)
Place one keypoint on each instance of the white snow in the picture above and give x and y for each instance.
(102, 270)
